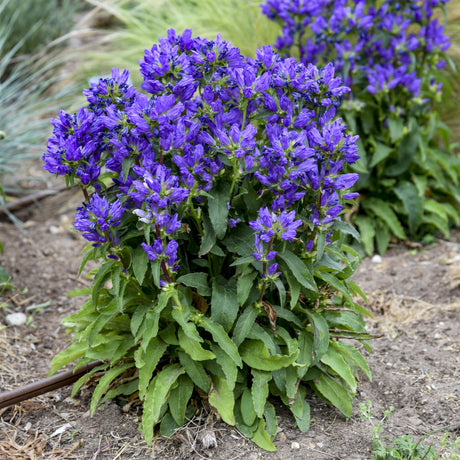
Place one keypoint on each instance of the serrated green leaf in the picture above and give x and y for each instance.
(182, 316)
(73, 352)
(193, 348)
(222, 399)
(244, 324)
(240, 241)
(407, 150)
(346, 228)
(105, 382)
(179, 397)
(300, 269)
(244, 284)
(438, 223)
(126, 389)
(221, 337)
(334, 359)
(321, 334)
(224, 302)
(291, 382)
(156, 396)
(137, 319)
(294, 287)
(195, 371)
(396, 128)
(140, 263)
(256, 355)
(412, 202)
(335, 393)
(79, 383)
(260, 390)
(102, 275)
(355, 355)
(154, 350)
(218, 209)
(198, 281)
(209, 238)
(332, 281)
(262, 438)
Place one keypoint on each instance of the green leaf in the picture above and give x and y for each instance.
(105, 382)
(301, 271)
(198, 281)
(209, 238)
(335, 393)
(179, 398)
(256, 355)
(244, 324)
(382, 236)
(168, 425)
(407, 150)
(438, 223)
(346, 228)
(305, 358)
(79, 383)
(412, 202)
(355, 355)
(222, 399)
(193, 348)
(301, 411)
(382, 210)
(332, 281)
(218, 209)
(244, 284)
(396, 128)
(247, 407)
(367, 232)
(381, 152)
(182, 316)
(240, 241)
(321, 334)
(140, 263)
(334, 359)
(221, 337)
(262, 438)
(75, 292)
(227, 364)
(195, 371)
(156, 397)
(271, 424)
(259, 390)
(73, 352)
(154, 351)
(294, 287)
(224, 302)
(102, 275)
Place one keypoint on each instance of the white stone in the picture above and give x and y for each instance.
(295, 445)
(377, 259)
(16, 319)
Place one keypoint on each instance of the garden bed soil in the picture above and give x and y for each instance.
(414, 295)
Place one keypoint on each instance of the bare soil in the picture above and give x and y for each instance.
(414, 294)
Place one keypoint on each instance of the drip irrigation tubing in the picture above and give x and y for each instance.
(8, 398)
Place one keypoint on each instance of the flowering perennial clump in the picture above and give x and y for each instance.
(390, 54)
(213, 201)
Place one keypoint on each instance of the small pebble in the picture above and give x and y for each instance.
(377, 259)
(16, 319)
(54, 229)
(295, 445)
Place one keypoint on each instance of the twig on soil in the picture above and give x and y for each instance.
(30, 199)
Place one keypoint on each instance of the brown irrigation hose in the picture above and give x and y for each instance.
(8, 398)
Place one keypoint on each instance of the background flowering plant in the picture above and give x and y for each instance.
(391, 54)
(212, 206)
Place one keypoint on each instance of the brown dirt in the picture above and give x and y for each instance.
(414, 295)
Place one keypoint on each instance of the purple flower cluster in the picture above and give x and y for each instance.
(213, 116)
(373, 47)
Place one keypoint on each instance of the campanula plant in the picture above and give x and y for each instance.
(390, 53)
(213, 202)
